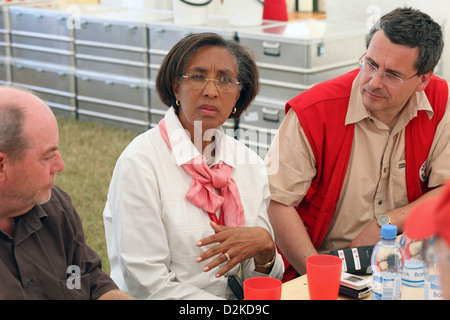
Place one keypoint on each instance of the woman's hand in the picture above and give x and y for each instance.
(239, 244)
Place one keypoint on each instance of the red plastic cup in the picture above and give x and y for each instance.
(324, 276)
(262, 288)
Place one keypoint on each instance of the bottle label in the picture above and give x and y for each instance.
(386, 286)
(432, 288)
(413, 274)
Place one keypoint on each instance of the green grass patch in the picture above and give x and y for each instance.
(90, 152)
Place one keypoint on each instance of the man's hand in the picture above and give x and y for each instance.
(369, 236)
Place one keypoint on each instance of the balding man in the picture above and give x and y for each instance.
(43, 253)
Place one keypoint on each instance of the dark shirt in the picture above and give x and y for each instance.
(48, 258)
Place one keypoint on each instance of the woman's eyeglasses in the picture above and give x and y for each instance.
(223, 83)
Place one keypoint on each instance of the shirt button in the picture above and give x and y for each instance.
(29, 282)
(380, 202)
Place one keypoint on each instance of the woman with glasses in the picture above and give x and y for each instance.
(357, 150)
(187, 205)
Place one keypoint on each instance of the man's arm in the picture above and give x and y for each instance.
(115, 295)
(291, 235)
(371, 234)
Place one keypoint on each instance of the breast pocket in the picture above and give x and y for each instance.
(398, 184)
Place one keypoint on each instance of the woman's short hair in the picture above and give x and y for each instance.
(415, 29)
(178, 57)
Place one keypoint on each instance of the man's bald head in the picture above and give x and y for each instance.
(20, 109)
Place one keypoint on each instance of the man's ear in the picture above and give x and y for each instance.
(424, 81)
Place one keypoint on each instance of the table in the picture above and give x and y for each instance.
(297, 289)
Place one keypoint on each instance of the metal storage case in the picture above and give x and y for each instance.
(299, 54)
(112, 99)
(5, 45)
(5, 38)
(40, 33)
(5, 74)
(115, 42)
(4, 32)
(54, 84)
(259, 124)
(292, 57)
(114, 45)
(42, 50)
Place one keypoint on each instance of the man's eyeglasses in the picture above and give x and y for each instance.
(223, 83)
(388, 79)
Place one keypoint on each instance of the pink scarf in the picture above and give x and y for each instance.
(202, 192)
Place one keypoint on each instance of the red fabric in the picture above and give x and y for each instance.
(331, 143)
(275, 10)
(419, 136)
(430, 217)
(202, 192)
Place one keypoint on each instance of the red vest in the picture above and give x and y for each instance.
(321, 111)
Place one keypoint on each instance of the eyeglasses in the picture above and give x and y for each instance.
(223, 83)
(389, 79)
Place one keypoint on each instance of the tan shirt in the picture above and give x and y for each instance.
(375, 179)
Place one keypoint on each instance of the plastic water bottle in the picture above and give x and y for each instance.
(413, 269)
(432, 285)
(387, 266)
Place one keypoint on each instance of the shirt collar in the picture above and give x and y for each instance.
(29, 223)
(183, 150)
(357, 112)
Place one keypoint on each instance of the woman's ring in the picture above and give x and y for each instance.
(227, 255)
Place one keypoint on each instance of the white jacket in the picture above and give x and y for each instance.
(152, 229)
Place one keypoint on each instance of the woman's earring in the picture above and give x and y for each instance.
(178, 103)
(234, 110)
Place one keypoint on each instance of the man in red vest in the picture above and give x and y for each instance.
(357, 151)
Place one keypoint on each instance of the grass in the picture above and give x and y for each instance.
(90, 152)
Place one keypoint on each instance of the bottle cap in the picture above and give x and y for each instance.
(388, 231)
